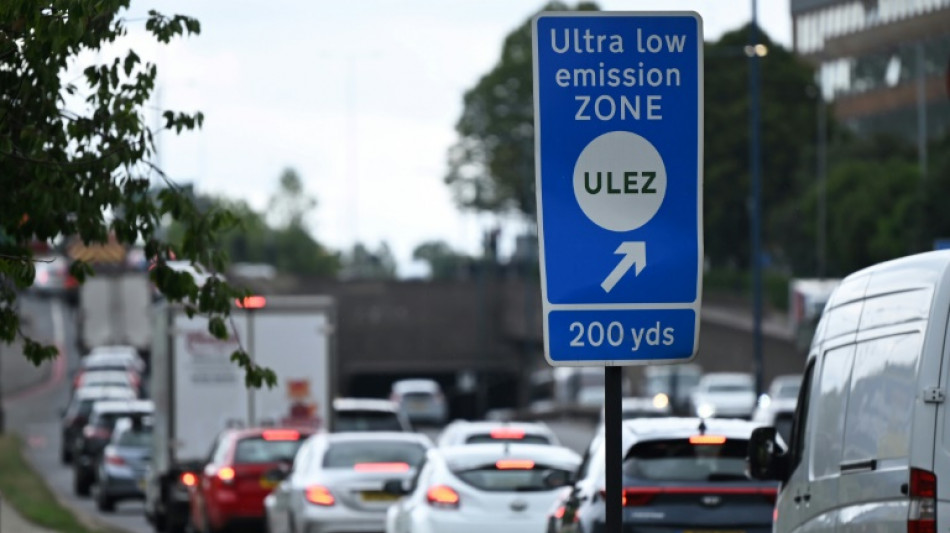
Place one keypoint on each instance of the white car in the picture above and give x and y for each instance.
(777, 407)
(631, 408)
(367, 414)
(337, 480)
(107, 355)
(420, 400)
(461, 432)
(724, 395)
(496, 488)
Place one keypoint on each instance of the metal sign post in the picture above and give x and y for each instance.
(618, 102)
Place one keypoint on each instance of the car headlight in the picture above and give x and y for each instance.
(660, 401)
(705, 410)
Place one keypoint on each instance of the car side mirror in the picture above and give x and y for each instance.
(557, 478)
(396, 486)
(767, 460)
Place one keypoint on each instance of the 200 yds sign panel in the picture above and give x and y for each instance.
(618, 133)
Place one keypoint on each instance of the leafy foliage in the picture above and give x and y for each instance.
(362, 263)
(491, 166)
(444, 262)
(288, 246)
(788, 114)
(73, 150)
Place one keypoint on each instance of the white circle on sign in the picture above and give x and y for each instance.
(620, 181)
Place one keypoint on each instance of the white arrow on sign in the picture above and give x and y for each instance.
(633, 252)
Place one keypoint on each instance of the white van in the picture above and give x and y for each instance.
(870, 441)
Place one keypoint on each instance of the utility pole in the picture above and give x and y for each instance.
(755, 178)
(822, 164)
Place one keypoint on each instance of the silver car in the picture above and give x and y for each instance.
(121, 471)
(336, 483)
(421, 400)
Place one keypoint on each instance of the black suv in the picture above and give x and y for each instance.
(76, 415)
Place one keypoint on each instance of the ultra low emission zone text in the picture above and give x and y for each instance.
(608, 107)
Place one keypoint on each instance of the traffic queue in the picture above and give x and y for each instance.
(373, 472)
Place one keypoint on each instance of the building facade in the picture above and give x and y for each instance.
(883, 64)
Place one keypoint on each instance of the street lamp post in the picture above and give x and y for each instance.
(755, 178)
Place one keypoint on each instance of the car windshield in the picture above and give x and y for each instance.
(135, 438)
(418, 396)
(680, 460)
(729, 387)
(627, 415)
(526, 478)
(107, 420)
(348, 454)
(789, 390)
(367, 420)
(254, 450)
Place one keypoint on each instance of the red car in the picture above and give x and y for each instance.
(231, 489)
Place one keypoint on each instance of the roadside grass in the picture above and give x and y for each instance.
(26, 491)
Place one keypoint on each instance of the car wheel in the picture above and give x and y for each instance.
(80, 484)
(172, 524)
(104, 503)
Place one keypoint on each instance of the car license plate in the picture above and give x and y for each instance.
(378, 496)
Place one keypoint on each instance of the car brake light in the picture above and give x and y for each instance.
(922, 516)
(707, 439)
(252, 302)
(507, 433)
(634, 497)
(188, 479)
(381, 467)
(281, 434)
(514, 464)
(443, 496)
(115, 460)
(561, 511)
(318, 495)
(226, 474)
(93, 432)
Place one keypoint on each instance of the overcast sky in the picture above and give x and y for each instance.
(360, 97)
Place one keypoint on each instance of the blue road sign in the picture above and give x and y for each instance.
(618, 137)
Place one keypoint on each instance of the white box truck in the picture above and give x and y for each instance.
(198, 391)
(115, 309)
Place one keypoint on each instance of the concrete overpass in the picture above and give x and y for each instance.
(491, 329)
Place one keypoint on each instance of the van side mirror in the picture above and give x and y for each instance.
(767, 460)
(395, 486)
